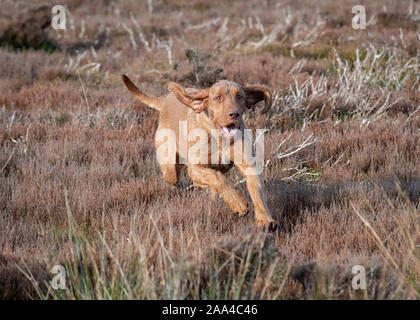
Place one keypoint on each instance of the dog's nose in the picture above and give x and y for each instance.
(234, 114)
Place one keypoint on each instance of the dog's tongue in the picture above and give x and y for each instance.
(230, 132)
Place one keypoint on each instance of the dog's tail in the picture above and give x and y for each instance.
(153, 102)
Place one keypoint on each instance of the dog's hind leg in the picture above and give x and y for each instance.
(167, 156)
(171, 173)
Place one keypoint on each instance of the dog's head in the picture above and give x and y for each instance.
(224, 102)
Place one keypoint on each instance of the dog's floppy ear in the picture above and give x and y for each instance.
(255, 94)
(194, 99)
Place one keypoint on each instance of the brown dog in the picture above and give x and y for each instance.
(218, 109)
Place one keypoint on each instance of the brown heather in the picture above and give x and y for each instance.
(80, 185)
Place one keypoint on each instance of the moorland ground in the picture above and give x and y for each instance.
(80, 185)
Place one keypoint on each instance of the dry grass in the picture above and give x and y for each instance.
(80, 185)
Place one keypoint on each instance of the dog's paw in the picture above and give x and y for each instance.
(236, 202)
(241, 207)
(243, 213)
(267, 225)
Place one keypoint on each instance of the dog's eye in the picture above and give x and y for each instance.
(239, 96)
(218, 98)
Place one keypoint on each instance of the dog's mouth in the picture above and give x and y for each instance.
(229, 130)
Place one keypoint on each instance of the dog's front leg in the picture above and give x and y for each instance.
(206, 177)
(255, 186)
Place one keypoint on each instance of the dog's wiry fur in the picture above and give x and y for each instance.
(217, 108)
